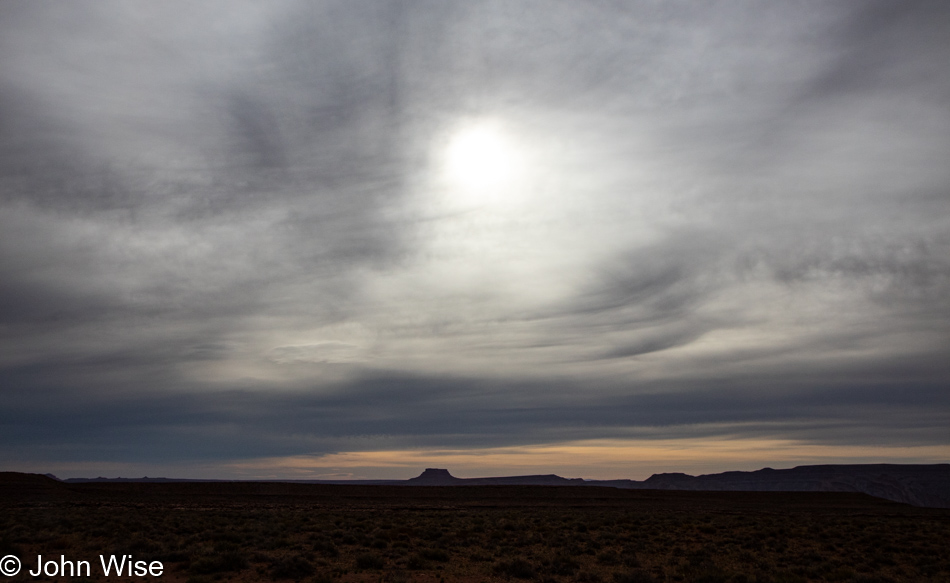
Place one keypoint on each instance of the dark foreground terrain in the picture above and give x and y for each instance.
(313, 532)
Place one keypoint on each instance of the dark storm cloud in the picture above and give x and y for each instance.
(224, 233)
(416, 412)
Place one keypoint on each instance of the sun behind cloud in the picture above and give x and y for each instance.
(484, 164)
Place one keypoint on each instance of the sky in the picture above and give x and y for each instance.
(355, 239)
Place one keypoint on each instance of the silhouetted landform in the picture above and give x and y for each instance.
(142, 479)
(440, 477)
(17, 488)
(917, 485)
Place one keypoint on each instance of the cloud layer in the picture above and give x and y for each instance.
(228, 231)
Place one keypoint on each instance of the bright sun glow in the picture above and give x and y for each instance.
(483, 162)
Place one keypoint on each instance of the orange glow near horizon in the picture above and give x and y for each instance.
(592, 459)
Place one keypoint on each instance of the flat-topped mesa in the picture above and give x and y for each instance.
(434, 476)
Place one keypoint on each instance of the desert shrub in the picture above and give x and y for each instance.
(699, 558)
(139, 545)
(435, 555)
(417, 563)
(219, 563)
(274, 542)
(228, 536)
(174, 556)
(786, 577)
(587, 577)
(713, 576)
(636, 576)
(518, 568)
(630, 559)
(573, 549)
(563, 565)
(608, 557)
(842, 574)
(294, 567)
(326, 548)
(370, 561)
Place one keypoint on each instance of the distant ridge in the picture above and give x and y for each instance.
(142, 479)
(917, 485)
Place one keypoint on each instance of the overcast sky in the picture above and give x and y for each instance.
(357, 239)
